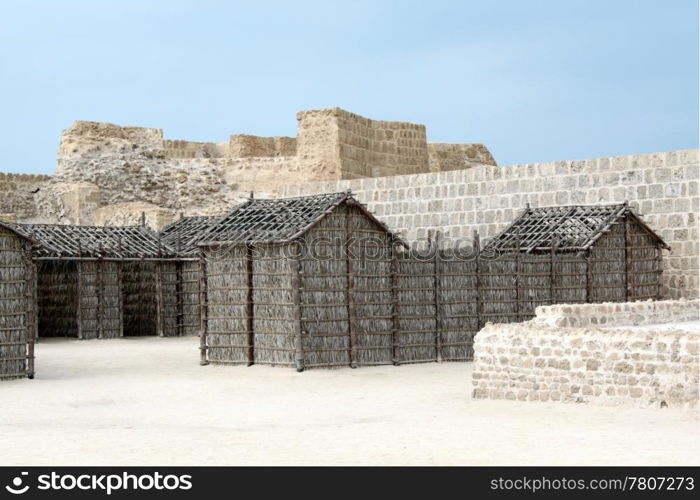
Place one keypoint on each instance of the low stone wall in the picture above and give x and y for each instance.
(624, 365)
(650, 312)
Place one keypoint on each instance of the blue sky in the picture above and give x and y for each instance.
(533, 80)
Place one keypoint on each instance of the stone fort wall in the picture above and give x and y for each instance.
(361, 147)
(17, 193)
(663, 187)
(132, 165)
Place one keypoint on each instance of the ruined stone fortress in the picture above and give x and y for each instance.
(109, 174)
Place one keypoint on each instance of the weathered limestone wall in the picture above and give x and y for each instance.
(188, 149)
(137, 165)
(244, 146)
(133, 214)
(352, 146)
(634, 366)
(86, 139)
(141, 175)
(661, 186)
(318, 144)
(264, 175)
(372, 148)
(444, 156)
(17, 194)
(69, 202)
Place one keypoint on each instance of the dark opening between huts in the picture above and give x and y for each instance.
(104, 282)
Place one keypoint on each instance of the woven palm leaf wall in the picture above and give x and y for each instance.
(189, 298)
(273, 311)
(15, 274)
(226, 288)
(140, 302)
(370, 255)
(324, 293)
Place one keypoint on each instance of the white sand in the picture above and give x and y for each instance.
(147, 401)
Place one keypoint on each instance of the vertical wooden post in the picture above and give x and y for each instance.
(659, 270)
(202, 309)
(295, 269)
(179, 297)
(79, 310)
(437, 296)
(350, 285)
(629, 270)
(394, 307)
(31, 308)
(99, 283)
(477, 263)
(159, 301)
(553, 273)
(160, 309)
(120, 297)
(589, 277)
(250, 306)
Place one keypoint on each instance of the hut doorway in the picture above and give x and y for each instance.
(140, 302)
(57, 297)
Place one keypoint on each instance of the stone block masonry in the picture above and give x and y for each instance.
(618, 314)
(17, 194)
(663, 187)
(245, 146)
(343, 145)
(443, 156)
(371, 148)
(625, 365)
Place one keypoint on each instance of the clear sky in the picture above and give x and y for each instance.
(533, 80)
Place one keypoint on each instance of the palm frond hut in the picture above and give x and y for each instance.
(17, 305)
(103, 282)
(182, 236)
(300, 282)
(572, 254)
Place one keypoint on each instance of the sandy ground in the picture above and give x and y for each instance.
(147, 401)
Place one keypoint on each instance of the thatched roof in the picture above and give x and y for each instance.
(67, 241)
(279, 220)
(183, 234)
(575, 227)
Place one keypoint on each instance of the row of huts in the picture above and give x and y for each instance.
(314, 281)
